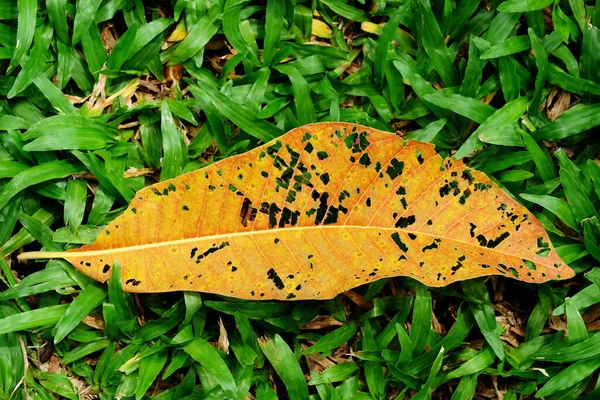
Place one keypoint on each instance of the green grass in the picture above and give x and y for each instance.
(513, 85)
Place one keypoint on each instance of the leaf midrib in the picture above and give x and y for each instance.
(74, 254)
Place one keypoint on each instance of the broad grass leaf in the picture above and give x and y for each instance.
(514, 6)
(25, 31)
(320, 210)
(273, 26)
(32, 319)
(84, 17)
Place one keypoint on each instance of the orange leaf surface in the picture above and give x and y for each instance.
(320, 210)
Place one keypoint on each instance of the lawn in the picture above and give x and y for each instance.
(100, 98)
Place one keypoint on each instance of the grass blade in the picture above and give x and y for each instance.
(150, 367)
(273, 27)
(421, 322)
(285, 364)
(432, 40)
(198, 36)
(84, 17)
(175, 154)
(483, 311)
(507, 115)
(515, 6)
(34, 65)
(465, 106)
(57, 14)
(575, 324)
(25, 31)
(32, 319)
(88, 299)
(332, 340)
(123, 48)
(301, 91)
(237, 113)
(569, 376)
(556, 206)
(510, 46)
(54, 95)
(572, 122)
(342, 9)
(36, 175)
(207, 356)
(75, 203)
(385, 38)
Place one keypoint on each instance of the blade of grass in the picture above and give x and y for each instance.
(75, 203)
(385, 38)
(345, 10)
(572, 122)
(428, 133)
(575, 324)
(34, 65)
(120, 299)
(372, 369)
(150, 367)
(32, 319)
(198, 36)
(35, 175)
(541, 62)
(558, 77)
(208, 356)
(285, 364)
(514, 6)
(305, 110)
(430, 35)
(332, 340)
(123, 48)
(578, 189)
(540, 157)
(510, 46)
(25, 31)
(465, 106)
(335, 373)
(473, 72)
(84, 17)
(88, 299)
(273, 27)
(569, 376)
(556, 206)
(507, 115)
(38, 282)
(509, 79)
(54, 95)
(232, 27)
(421, 322)
(238, 114)
(175, 154)
(538, 317)
(57, 14)
(483, 311)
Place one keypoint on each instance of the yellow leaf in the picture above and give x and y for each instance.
(179, 33)
(320, 210)
(321, 29)
(371, 27)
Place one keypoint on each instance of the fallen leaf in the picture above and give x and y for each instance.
(561, 105)
(321, 322)
(223, 342)
(316, 212)
(94, 320)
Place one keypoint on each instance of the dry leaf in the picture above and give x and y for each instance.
(223, 342)
(318, 211)
(321, 322)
